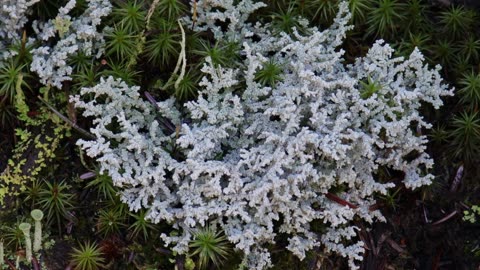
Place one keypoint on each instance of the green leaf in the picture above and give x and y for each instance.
(369, 88)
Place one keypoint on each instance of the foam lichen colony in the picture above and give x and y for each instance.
(77, 35)
(258, 160)
(13, 14)
(13, 17)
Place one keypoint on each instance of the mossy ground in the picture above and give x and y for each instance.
(424, 228)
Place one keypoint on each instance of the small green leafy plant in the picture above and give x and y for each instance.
(210, 247)
(471, 216)
(384, 18)
(269, 74)
(55, 200)
(110, 221)
(12, 75)
(131, 15)
(466, 135)
(104, 186)
(456, 20)
(87, 256)
(141, 226)
(470, 90)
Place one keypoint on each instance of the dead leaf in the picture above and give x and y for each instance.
(458, 178)
(395, 246)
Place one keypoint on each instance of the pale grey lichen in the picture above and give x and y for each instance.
(211, 13)
(13, 16)
(259, 161)
(80, 34)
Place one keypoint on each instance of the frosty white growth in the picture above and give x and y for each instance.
(77, 35)
(259, 160)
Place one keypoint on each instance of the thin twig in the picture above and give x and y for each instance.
(183, 56)
(68, 121)
(150, 13)
(425, 214)
(164, 121)
(447, 217)
(339, 200)
(87, 175)
(10, 264)
(35, 264)
(395, 246)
